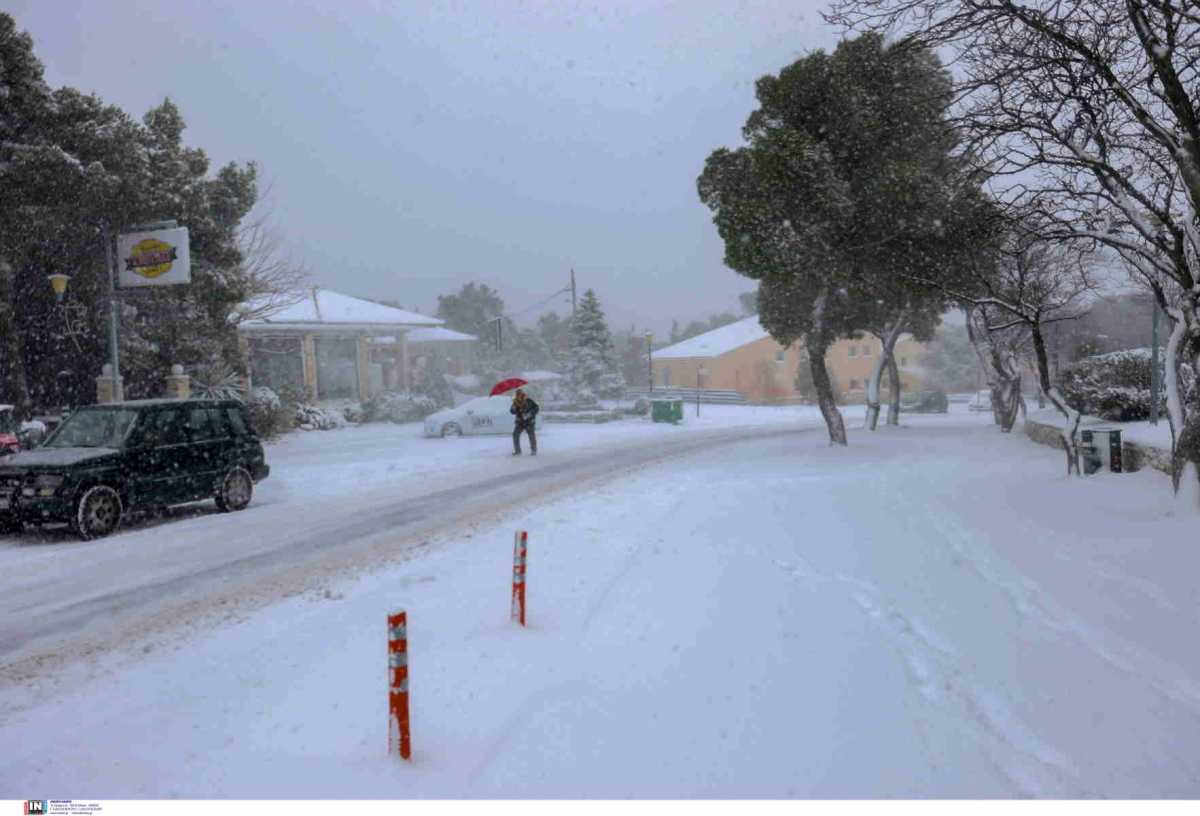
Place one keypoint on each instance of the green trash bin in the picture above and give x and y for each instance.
(665, 410)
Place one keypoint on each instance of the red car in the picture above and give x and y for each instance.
(8, 431)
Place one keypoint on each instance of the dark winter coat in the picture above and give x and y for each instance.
(525, 414)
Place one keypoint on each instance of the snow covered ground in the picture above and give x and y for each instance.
(935, 611)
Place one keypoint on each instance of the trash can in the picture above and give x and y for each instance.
(1099, 449)
(665, 410)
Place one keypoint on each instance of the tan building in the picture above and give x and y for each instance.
(743, 357)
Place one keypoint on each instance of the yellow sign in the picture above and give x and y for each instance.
(150, 258)
(154, 258)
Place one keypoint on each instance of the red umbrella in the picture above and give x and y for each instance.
(507, 385)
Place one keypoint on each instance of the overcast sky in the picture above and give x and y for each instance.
(410, 147)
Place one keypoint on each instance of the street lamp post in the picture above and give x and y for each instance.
(1155, 381)
(700, 372)
(650, 359)
(114, 355)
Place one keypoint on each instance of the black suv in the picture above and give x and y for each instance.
(106, 460)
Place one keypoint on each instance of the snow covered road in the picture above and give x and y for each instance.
(360, 493)
(935, 611)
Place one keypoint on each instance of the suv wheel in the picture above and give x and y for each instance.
(10, 526)
(451, 429)
(235, 491)
(97, 513)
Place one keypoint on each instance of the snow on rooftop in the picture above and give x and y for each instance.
(716, 342)
(439, 334)
(326, 307)
(539, 376)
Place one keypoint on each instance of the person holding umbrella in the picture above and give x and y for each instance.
(524, 411)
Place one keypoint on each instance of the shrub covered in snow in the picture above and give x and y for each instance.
(270, 415)
(394, 406)
(314, 418)
(354, 412)
(1115, 386)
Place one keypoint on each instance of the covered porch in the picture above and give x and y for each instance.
(326, 345)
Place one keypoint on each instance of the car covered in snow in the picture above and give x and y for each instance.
(482, 415)
(982, 401)
(932, 401)
(105, 460)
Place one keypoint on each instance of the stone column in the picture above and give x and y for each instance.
(308, 352)
(405, 373)
(362, 366)
(108, 387)
(179, 385)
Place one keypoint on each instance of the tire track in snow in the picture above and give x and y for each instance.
(932, 666)
(1036, 606)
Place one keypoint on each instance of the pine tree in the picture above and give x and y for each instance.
(592, 370)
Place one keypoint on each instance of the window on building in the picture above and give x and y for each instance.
(866, 351)
(277, 363)
(666, 377)
(779, 356)
(337, 369)
(854, 351)
(903, 361)
(853, 384)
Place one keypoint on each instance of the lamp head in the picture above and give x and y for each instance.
(59, 283)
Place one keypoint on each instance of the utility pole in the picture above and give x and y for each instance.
(1155, 384)
(572, 292)
(499, 321)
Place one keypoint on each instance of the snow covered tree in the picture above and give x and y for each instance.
(592, 370)
(1089, 107)
(71, 170)
(556, 334)
(472, 310)
(431, 381)
(949, 361)
(906, 311)
(842, 184)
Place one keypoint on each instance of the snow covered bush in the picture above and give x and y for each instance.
(314, 418)
(269, 415)
(354, 412)
(431, 381)
(1115, 386)
(394, 406)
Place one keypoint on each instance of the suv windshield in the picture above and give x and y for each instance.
(94, 428)
(8, 422)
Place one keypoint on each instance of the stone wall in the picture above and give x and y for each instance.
(1134, 456)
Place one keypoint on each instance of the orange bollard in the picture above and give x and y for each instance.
(520, 550)
(398, 725)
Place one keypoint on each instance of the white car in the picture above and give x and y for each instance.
(982, 401)
(483, 415)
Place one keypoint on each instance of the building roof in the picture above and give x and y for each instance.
(539, 376)
(316, 309)
(716, 342)
(439, 334)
